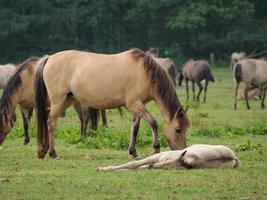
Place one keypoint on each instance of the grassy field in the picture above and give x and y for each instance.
(74, 175)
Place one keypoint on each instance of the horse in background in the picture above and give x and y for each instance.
(166, 63)
(253, 94)
(5, 72)
(19, 91)
(235, 57)
(253, 72)
(195, 71)
(105, 81)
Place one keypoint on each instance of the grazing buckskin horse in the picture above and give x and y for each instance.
(195, 71)
(253, 72)
(235, 57)
(5, 72)
(19, 91)
(195, 156)
(105, 81)
(166, 63)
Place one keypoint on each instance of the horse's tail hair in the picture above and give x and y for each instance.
(41, 109)
(209, 75)
(238, 72)
(94, 116)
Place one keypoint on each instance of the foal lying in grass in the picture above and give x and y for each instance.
(196, 156)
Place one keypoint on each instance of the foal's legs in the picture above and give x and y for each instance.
(205, 90)
(263, 97)
(187, 89)
(193, 89)
(140, 110)
(200, 90)
(132, 164)
(134, 132)
(246, 95)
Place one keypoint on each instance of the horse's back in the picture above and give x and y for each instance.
(97, 75)
(254, 71)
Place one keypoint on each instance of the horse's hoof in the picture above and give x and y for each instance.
(53, 155)
(41, 154)
(26, 141)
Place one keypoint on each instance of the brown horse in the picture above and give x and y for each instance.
(195, 71)
(19, 91)
(253, 72)
(103, 81)
(166, 63)
(253, 94)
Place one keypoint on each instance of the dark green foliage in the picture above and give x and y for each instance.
(178, 28)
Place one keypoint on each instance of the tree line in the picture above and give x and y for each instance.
(177, 28)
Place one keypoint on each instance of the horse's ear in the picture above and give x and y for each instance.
(179, 111)
(186, 108)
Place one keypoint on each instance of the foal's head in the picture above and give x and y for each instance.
(175, 130)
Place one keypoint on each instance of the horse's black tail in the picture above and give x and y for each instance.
(94, 117)
(41, 109)
(209, 75)
(238, 72)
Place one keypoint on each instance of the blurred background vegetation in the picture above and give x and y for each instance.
(177, 28)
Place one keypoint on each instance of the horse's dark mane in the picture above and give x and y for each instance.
(160, 80)
(14, 83)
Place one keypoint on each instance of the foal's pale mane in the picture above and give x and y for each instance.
(160, 80)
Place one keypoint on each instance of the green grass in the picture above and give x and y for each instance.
(74, 175)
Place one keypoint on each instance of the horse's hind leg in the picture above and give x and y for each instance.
(134, 132)
(246, 95)
(193, 90)
(55, 109)
(263, 97)
(200, 90)
(205, 90)
(236, 92)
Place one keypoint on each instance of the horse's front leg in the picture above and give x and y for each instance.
(263, 97)
(25, 116)
(200, 90)
(246, 95)
(134, 132)
(140, 110)
(193, 90)
(187, 89)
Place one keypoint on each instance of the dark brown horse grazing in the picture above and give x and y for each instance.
(106, 81)
(196, 71)
(166, 63)
(19, 91)
(253, 72)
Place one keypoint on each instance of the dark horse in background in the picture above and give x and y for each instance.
(195, 71)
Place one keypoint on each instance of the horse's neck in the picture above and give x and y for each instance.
(165, 112)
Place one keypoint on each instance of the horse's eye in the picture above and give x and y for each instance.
(178, 130)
